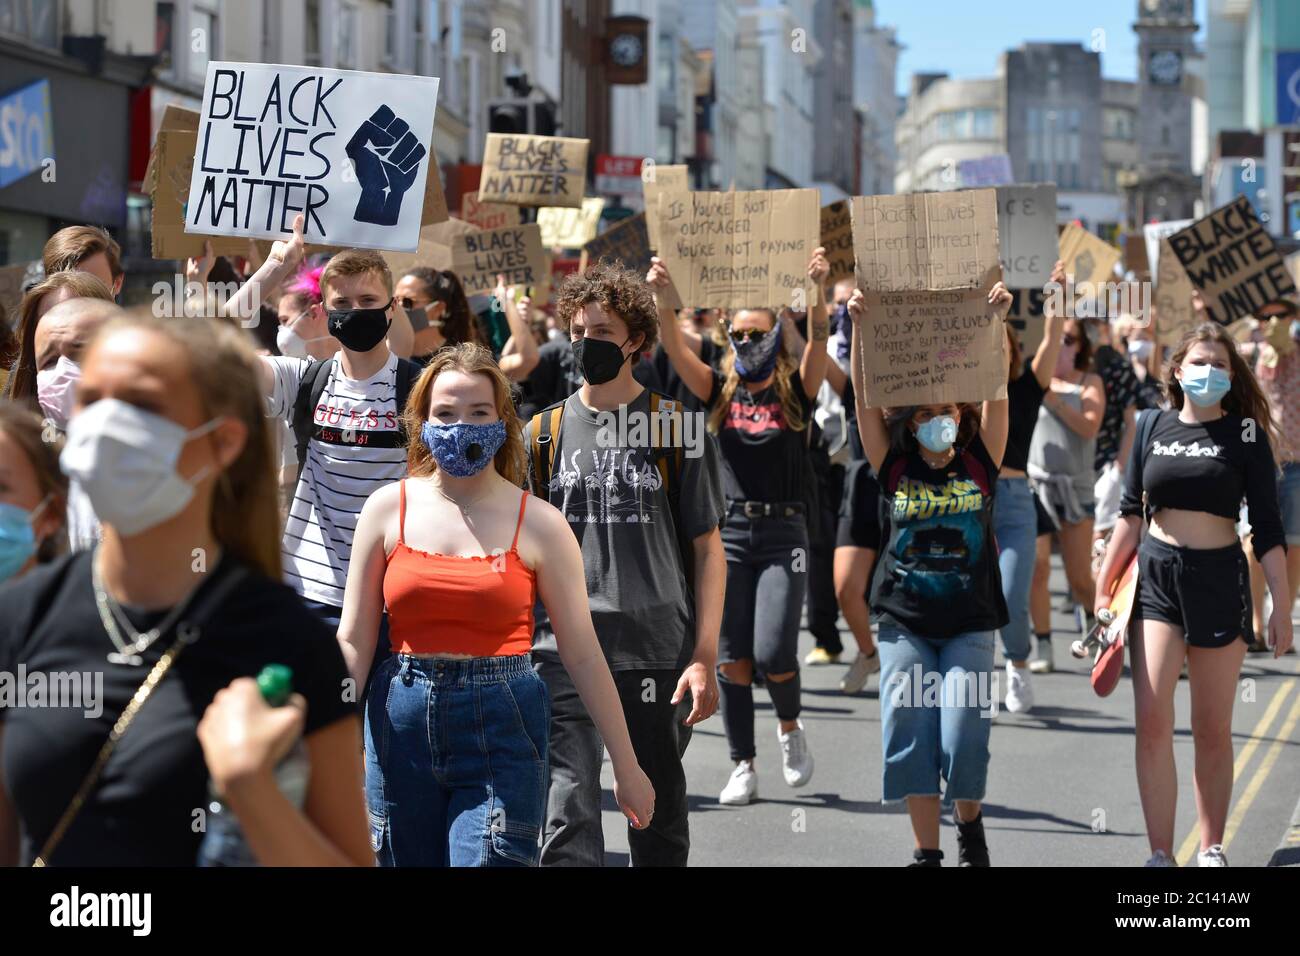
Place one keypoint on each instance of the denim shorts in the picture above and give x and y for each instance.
(456, 761)
(937, 701)
(1288, 498)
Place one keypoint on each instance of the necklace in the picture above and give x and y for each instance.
(946, 459)
(115, 621)
(464, 508)
(751, 404)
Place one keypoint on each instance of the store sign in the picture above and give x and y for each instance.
(618, 175)
(26, 132)
(1288, 89)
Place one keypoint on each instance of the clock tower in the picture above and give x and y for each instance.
(1166, 187)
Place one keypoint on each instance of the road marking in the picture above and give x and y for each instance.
(1261, 773)
(1192, 843)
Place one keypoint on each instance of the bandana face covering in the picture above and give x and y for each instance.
(756, 357)
(462, 449)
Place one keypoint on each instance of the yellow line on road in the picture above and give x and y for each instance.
(1193, 842)
(1261, 774)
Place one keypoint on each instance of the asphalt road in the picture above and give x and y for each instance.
(1062, 789)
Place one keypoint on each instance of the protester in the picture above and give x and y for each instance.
(182, 596)
(303, 324)
(456, 720)
(1194, 464)
(1115, 435)
(936, 617)
(646, 514)
(857, 545)
(439, 301)
(88, 249)
(1015, 520)
(1062, 472)
(33, 493)
(760, 406)
(24, 380)
(1137, 338)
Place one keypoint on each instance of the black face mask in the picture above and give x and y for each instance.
(598, 360)
(360, 330)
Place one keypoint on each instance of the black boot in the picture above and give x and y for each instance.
(926, 858)
(972, 850)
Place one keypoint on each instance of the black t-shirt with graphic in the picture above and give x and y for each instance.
(763, 459)
(938, 574)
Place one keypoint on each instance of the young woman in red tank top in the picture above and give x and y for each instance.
(456, 721)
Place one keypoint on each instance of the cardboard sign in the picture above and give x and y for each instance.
(1172, 297)
(1027, 234)
(657, 179)
(1086, 257)
(173, 172)
(738, 250)
(348, 150)
(175, 116)
(1152, 233)
(524, 170)
(837, 240)
(1231, 258)
(434, 251)
(926, 263)
(570, 228)
(487, 215)
(516, 252)
(627, 242)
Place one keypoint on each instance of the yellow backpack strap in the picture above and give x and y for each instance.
(667, 412)
(544, 428)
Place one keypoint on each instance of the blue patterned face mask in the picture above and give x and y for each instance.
(461, 449)
(756, 353)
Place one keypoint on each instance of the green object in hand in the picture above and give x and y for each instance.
(276, 684)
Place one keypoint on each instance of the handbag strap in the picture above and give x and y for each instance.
(187, 633)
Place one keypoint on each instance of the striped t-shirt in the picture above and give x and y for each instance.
(356, 448)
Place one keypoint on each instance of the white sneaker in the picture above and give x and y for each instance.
(796, 758)
(1212, 857)
(1045, 663)
(742, 787)
(1020, 692)
(861, 668)
(1161, 858)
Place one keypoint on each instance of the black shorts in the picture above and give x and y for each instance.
(1206, 592)
(1045, 525)
(859, 519)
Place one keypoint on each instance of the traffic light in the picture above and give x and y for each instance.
(522, 116)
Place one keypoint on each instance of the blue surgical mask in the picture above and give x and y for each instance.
(1205, 385)
(17, 537)
(938, 434)
(462, 449)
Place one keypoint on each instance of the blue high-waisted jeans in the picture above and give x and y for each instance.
(456, 761)
(1015, 526)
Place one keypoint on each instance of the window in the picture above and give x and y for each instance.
(164, 22)
(985, 124)
(345, 38)
(34, 20)
(311, 33)
(202, 40)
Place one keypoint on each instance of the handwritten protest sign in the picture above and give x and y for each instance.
(837, 240)
(738, 250)
(1152, 233)
(1172, 297)
(654, 180)
(570, 228)
(926, 263)
(1230, 257)
(487, 215)
(1086, 257)
(348, 150)
(513, 251)
(1027, 234)
(525, 170)
(626, 242)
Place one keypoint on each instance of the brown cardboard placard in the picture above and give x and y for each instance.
(487, 215)
(567, 227)
(837, 240)
(524, 170)
(925, 241)
(435, 200)
(434, 251)
(513, 251)
(1135, 254)
(1231, 258)
(175, 116)
(626, 241)
(737, 250)
(1172, 297)
(656, 179)
(1086, 257)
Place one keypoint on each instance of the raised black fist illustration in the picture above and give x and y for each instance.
(386, 156)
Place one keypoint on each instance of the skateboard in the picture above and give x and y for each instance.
(1107, 638)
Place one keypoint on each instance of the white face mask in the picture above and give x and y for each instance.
(125, 458)
(56, 387)
(289, 342)
(1140, 348)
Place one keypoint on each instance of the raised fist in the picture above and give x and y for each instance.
(386, 156)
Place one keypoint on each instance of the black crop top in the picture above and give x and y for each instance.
(1207, 467)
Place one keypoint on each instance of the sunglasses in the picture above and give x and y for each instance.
(742, 336)
(406, 302)
(1069, 340)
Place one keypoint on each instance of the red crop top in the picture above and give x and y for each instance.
(449, 604)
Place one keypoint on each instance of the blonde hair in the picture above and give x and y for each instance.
(472, 359)
(786, 366)
(245, 514)
(82, 285)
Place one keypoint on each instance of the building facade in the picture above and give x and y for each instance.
(875, 71)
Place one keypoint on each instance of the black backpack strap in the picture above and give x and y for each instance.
(310, 388)
(407, 373)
